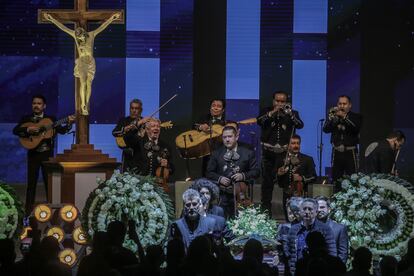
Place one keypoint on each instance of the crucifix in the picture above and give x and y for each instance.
(84, 70)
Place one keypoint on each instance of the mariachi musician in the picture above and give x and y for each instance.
(278, 124)
(151, 155)
(295, 172)
(344, 126)
(41, 153)
(204, 124)
(132, 124)
(231, 166)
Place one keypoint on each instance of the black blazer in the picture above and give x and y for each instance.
(247, 163)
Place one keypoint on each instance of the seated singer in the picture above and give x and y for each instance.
(150, 152)
(295, 172)
(231, 166)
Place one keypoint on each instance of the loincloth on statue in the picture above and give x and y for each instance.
(85, 65)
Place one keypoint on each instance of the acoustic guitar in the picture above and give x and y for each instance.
(194, 144)
(120, 141)
(46, 131)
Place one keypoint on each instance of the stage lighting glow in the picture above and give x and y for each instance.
(42, 213)
(67, 256)
(68, 213)
(79, 236)
(56, 232)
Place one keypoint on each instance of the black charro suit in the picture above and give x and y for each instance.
(276, 130)
(146, 157)
(36, 156)
(218, 167)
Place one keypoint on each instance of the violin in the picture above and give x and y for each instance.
(162, 173)
(239, 189)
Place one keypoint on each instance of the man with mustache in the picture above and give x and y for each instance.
(295, 168)
(215, 116)
(150, 152)
(40, 154)
(344, 126)
(277, 122)
(192, 224)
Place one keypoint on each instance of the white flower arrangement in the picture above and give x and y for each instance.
(365, 199)
(253, 221)
(128, 196)
(11, 212)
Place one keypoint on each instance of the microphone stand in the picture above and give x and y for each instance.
(187, 164)
(320, 146)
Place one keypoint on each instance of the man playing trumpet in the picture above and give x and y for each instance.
(278, 123)
(344, 126)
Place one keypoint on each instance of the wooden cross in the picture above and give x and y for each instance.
(80, 17)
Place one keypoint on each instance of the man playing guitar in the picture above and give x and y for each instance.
(42, 152)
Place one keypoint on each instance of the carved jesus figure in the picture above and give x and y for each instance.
(85, 63)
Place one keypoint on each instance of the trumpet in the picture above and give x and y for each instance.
(287, 108)
(332, 112)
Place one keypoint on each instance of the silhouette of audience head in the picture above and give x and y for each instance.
(155, 255)
(315, 242)
(362, 259)
(410, 251)
(175, 251)
(199, 248)
(253, 249)
(388, 266)
(116, 232)
(100, 241)
(7, 253)
(49, 248)
(317, 267)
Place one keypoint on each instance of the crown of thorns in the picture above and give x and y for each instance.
(205, 183)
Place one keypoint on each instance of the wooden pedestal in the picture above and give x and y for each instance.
(72, 175)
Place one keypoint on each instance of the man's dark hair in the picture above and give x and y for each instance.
(324, 198)
(223, 102)
(209, 185)
(397, 134)
(136, 101)
(230, 128)
(116, 232)
(345, 96)
(39, 96)
(280, 92)
(296, 136)
(362, 259)
(228, 122)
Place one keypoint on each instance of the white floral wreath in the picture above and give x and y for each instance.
(11, 212)
(128, 196)
(365, 199)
